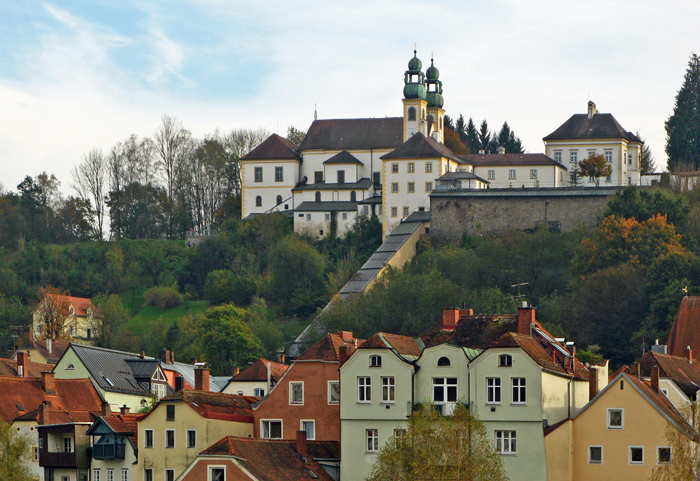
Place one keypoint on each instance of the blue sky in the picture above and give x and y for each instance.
(79, 75)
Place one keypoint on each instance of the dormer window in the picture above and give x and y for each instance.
(375, 361)
(444, 362)
(70, 367)
(505, 360)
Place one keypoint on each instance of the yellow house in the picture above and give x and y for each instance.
(184, 424)
(619, 435)
(67, 318)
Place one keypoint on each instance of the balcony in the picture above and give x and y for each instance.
(57, 460)
(108, 451)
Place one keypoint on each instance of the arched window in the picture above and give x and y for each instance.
(444, 361)
(440, 122)
(279, 199)
(505, 360)
(353, 196)
(411, 113)
(318, 197)
(258, 201)
(375, 361)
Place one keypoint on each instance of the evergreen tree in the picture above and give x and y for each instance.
(449, 124)
(484, 137)
(507, 139)
(646, 160)
(472, 137)
(683, 126)
(460, 128)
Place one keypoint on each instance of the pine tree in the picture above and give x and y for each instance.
(683, 126)
(472, 137)
(646, 160)
(485, 137)
(460, 128)
(507, 139)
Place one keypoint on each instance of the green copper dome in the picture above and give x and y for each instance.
(433, 87)
(414, 80)
(432, 73)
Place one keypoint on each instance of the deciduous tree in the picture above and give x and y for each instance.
(595, 167)
(14, 454)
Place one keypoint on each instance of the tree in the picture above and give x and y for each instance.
(472, 137)
(684, 462)
(646, 159)
(90, 181)
(643, 205)
(683, 126)
(507, 139)
(114, 317)
(295, 135)
(54, 321)
(595, 167)
(436, 447)
(454, 142)
(14, 454)
(575, 174)
(485, 137)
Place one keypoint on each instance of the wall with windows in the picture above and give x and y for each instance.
(502, 176)
(318, 224)
(266, 180)
(172, 447)
(121, 469)
(306, 396)
(29, 429)
(443, 377)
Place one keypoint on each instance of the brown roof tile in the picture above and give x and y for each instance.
(80, 304)
(216, 405)
(420, 146)
(684, 373)
(403, 345)
(258, 371)
(72, 395)
(686, 329)
(57, 350)
(8, 367)
(274, 147)
(125, 424)
(327, 349)
(600, 126)
(277, 460)
(475, 331)
(349, 134)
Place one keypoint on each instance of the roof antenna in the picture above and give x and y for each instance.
(315, 112)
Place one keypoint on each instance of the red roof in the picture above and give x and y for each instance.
(258, 371)
(8, 367)
(686, 329)
(216, 405)
(274, 147)
(80, 304)
(328, 348)
(277, 460)
(124, 424)
(74, 397)
(684, 373)
(403, 345)
(57, 350)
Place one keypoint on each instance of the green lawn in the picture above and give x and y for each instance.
(147, 315)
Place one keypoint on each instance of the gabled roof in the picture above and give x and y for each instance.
(258, 371)
(117, 371)
(599, 126)
(459, 176)
(121, 424)
(484, 160)
(343, 157)
(277, 459)
(686, 328)
(536, 350)
(475, 331)
(57, 350)
(404, 346)
(273, 148)
(655, 399)
(215, 405)
(327, 349)
(349, 134)
(80, 304)
(420, 146)
(23, 397)
(8, 367)
(684, 373)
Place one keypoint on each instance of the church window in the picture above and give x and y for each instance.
(258, 174)
(279, 199)
(258, 201)
(411, 113)
(318, 197)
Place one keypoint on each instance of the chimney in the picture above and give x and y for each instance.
(344, 352)
(526, 317)
(592, 110)
(655, 378)
(592, 382)
(179, 384)
(44, 412)
(689, 354)
(280, 357)
(22, 364)
(501, 150)
(48, 383)
(450, 318)
(235, 372)
(143, 354)
(106, 409)
(466, 312)
(201, 378)
(301, 444)
(346, 336)
(124, 410)
(49, 346)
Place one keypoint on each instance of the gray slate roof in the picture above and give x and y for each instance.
(274, 147)
(364, 183)
(338, 206)
(461, 175)
(420, 147)
(599, 126)
(343, 157)
(508, 159)
(348, 134)
(187, 373)
(117, 371)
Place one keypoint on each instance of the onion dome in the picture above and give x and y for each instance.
(433, 87)
(432, 73)
(414, 79)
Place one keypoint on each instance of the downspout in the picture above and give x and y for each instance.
(568, 401)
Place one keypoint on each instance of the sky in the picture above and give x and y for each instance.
(77, 75)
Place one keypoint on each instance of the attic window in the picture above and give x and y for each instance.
(20, 407)
(444, 361)
(505, 360)
(70, 367)
(375, 361)
(109, 381)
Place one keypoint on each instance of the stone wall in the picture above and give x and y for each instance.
(478, 212)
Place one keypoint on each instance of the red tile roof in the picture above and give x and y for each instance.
(216, 405)
(403, 345)
(72, 396)
(475, 331)
(277, 460)
(80, 304)
(274, 147)
(124, 424)
(327, 349)
(258, 371)
(8, 367)
(684, 373)
(686, 329)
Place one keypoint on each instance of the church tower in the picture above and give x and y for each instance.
(436, 114)
(414, 103)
